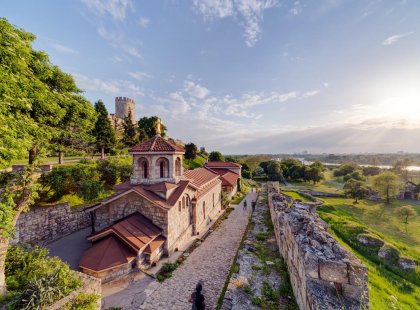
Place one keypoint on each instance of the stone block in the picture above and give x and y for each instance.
(358, 274)
(333, 271)
(311, 264)
(353, 291)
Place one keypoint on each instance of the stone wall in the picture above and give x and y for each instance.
(43, 224)
(324, 275)
(90, 285)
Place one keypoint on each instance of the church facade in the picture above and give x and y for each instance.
(160, 210)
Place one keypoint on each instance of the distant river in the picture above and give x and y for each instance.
(409, 168)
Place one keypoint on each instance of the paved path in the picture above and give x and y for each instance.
(70, 248)
(209, 263)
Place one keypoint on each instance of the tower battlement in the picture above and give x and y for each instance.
(122, 107)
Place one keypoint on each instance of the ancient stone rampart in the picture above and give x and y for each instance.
(43, 224)
(324, 275)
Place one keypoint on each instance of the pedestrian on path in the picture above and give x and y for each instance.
(253, 206)
(245, 204)
(197, 299)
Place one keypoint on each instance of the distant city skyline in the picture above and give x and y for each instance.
(246, 76)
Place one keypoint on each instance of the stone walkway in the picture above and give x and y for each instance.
(209, 263)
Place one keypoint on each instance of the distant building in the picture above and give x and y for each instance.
(123, 105)
(230, 174)
(410, 191)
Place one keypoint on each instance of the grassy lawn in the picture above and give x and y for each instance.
(389, 287)
(296, 195)
(381, 217)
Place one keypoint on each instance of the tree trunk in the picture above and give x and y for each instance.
(102, 152)
(32, 154)
(60, 157)
(21, 204)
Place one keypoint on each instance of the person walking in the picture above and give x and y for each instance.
(197, 299)
(253, 205)
(245, 204)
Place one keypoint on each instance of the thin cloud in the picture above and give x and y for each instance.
(117, 40)
(140, 76)
(117, 9)
(111, 87)
(144, 22)
(63, 49)
(395, 38)
(250, 11)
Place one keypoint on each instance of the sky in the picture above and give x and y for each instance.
(246, 76)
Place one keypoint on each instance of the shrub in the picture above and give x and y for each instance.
(39, 279)
(81, 180)
(84, 301)
(166, 271)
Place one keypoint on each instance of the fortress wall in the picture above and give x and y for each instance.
(323, 274)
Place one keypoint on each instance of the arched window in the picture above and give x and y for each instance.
(213, 200)
(204, 209)
(144, 167)
(178, 166)
(163, 164)
(145, 170)
(183, 202)
(179, 206)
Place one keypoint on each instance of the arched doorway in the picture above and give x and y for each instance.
(178, 166)
(144, 167)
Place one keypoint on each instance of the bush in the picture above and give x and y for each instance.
(83, 301)
(114, 170)
(81, 180)
(166, 271)
(39, 279)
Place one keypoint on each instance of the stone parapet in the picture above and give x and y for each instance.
(324, 275)
(43, 224)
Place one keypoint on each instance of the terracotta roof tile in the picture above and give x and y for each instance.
(135, 230)
(105, 254)
(157, 144)
(200, 176)
(222, 164)
(154, 245)
(229, 179)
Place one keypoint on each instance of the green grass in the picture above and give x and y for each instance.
(237, 198)
(389, 287)
(296, 195)
(195, 163)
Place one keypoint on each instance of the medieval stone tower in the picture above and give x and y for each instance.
(123, 105)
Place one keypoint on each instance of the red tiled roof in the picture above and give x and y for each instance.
(105, 254)
(156, 144)
(161, 186)
(200, 176)
(222, 164)
(135, 230)
(229, 179)
(154, 245)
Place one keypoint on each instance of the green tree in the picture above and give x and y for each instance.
(355, 189)
(314, 172)
(130, 132)
(216, 156)
(147, 127)
(274, 171)
(35, 98)
(76, 126)
(253, 162)
(405, 212)
(103, 132)
(387, 184)
(190, 152)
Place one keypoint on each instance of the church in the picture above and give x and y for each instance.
(160, 210)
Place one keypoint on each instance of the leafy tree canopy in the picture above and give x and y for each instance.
(216, 156)
(147, 127)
